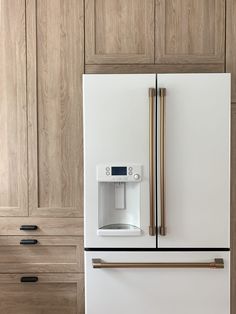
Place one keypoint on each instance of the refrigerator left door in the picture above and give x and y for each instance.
(116, 160)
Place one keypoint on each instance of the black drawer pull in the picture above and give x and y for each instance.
(28, 227)
(29, 241)
(29, 279)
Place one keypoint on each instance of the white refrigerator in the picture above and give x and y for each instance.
(157, 193)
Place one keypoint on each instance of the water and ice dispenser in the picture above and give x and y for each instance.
(119, 200)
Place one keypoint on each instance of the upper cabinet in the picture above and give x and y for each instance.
(119, 31)
(190, 31)
(54, 107)
(13, 110)
(154, 31)
(231, 45)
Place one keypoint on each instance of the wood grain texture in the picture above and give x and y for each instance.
(154, 68)
(55, 111)
(231, 44)
(190, 31)
(53, 293)
(50, 254)
(119, 31)
(13, 125)
(46, 226)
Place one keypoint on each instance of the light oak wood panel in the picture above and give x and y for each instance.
(50, 254)
(13, 111)
(190, 31)
(231, 44)
(53, 293)
(55, 67)
(46, 226)
(119, 31)
(154, 68)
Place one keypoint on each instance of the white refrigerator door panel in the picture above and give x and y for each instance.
(116, 132)
(152, 291)
(197, 160)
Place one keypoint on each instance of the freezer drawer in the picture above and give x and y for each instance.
(168, 285)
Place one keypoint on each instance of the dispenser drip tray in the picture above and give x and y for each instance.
(119, 230)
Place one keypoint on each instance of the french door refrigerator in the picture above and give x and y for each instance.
(157, 193)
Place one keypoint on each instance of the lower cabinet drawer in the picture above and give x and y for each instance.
(157, 282)
(51, 293)
(41, 254)
(20, 226)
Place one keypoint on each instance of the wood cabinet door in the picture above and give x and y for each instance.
(55, 66)
(231, 45)
(13, 110)
(190, 31)
(119, 31)
(51, 293)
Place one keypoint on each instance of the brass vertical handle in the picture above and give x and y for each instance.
(218, 263)
(152, 94)
(162, 229)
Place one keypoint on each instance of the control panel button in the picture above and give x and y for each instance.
(130, 169)
(136, 176)
(107, 168)
(107, 173)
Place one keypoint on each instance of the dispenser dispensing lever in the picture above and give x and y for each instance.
(120, 195)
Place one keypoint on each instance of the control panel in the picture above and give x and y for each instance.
(119, 173)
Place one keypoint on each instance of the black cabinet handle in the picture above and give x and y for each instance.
(28, 227)
(29, 279)
(28, 241)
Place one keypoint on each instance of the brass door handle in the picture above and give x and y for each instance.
(162, 229)
(152, 94)
(218, 263)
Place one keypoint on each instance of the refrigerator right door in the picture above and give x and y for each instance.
(193, 160)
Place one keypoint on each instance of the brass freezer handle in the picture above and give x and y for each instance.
(218, 263)
(162, 229)
(152, 226)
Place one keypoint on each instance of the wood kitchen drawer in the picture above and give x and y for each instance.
(49, 254)
(52, 293)
(45, 226)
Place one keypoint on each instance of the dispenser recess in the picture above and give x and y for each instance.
(119, 200)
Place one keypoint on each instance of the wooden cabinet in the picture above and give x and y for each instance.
(190, 31)
(231, 44)
(44, 226)
(13, 110)
(44, 254)
(52, 293)
(186, 32)
(41, 145)
(55, 67)
(119, 31)
(41, 165)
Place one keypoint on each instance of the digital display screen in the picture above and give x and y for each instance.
(119, 171)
